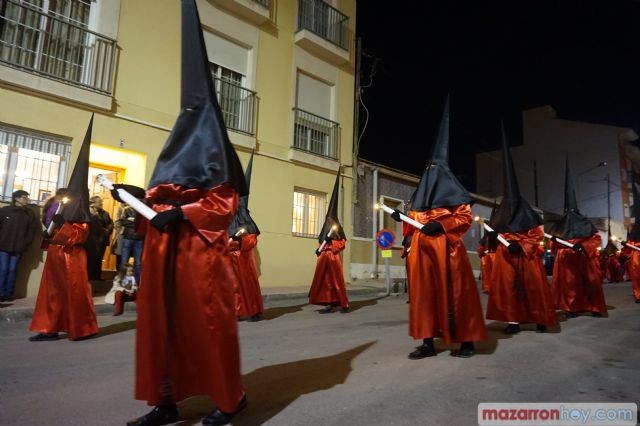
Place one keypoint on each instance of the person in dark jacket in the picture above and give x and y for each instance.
(99, 236)
(132, 243)
(18, 227)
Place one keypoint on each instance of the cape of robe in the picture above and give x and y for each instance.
(444, 300)
(519, 288)
(187, 332)
(577, 277)
(247, 287)
(633, 267)
(64, 302)
(328, 286)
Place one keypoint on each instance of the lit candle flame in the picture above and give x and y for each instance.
(65, 200)
(334, 227)
(614, 238)
(477, 218)
(376, 206)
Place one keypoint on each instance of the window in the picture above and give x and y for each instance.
(30, 161)
(52, 37)
(228, 85)
(308, 212)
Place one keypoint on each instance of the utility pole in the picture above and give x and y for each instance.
(535, 183)
(609, 204)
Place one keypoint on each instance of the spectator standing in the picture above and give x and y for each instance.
(132, 243)
(18, 227)
(101, 228)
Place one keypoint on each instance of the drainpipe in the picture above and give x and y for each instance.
(374, 226)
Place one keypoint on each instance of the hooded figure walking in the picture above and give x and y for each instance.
(519, 292)
(633, 240)
(444, 300)
(244, 235)
(577, 277)
(327, 287)
(64, 302)
(187, 333)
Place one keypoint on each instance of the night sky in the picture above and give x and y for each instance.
(496, 59)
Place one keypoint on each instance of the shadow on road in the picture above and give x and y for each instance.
(359, 304)
(271, 389)
(117, 328)
(273, 313)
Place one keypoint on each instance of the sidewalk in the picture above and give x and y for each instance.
(22, 309)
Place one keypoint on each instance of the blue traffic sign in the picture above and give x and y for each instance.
(385, 238)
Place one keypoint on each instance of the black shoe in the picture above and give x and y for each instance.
(326, 310)
(423, 351)
(160, 415)
(218, 418)
(637, 300)
(512, 329)
(596, 314)
(255, 318)
(572, 314)
(467, 350)
(344, 310)
(541, 328)
(43, 337)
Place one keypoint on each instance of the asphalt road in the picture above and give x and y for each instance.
(302, 368)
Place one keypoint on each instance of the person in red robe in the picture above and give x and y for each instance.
(64, 302)
(244, 238)
(577, 277)
(486, 251)
(631, 247)
(612, 268)
(520, 292)
(444, 300)
(187, 332)
(328, 288)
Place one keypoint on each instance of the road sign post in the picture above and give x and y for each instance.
(384, 240)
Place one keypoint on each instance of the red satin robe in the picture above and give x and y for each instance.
(613, 271)
(328, 286)
(443, 294)
(187, 332)
(577, 278)
(519, 288)
(64, 300)
(486, 263)
(633, 267)
(246, 285)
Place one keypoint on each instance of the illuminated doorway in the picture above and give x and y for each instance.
(109, 204)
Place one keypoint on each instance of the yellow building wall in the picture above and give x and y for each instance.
(146, 103)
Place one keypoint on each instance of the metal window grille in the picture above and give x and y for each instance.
(265, 3)
(31, 161)
(308, 211)
(315, 134)
(237, 103)
(325, 21)
(50, 38)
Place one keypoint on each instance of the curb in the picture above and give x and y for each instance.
(9, 315)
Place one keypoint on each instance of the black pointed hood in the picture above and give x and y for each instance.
(634, 233)
(198, 153)
(77, 208)
(572, 224)
(332, 216)
(438, 186)
(514, 214)
(242, 218)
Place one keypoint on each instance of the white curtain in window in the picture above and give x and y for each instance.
(226, 53)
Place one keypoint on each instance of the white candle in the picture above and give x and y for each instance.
(403, 217)
(561, 241)
(500, 237)
(58, 211)
(324, 242)
(135, 204)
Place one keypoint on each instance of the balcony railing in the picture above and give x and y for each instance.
(315, 134)
(238, 106)
(265, 3)
(43, 44)
(323, 20)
